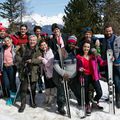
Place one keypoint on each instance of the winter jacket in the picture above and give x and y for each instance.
(47, 60)
(93, 66)
(18, 39)
(116, 50)
(23, 54)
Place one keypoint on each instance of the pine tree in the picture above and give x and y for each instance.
(80, 14)
(11, 9)
(112, 14)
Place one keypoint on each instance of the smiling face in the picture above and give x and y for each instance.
(86, 48)
(23, 30)
(38, 32)
(88, 36)
(2, 33)
(43, 46)
(8, 41)
(32, 41)
(108, 32)
(56, 31)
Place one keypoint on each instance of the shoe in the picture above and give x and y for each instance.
(9, 102)
(61, 110)
(21, 109)
(33, 105)
(95, 105)
(88, 109)
(107, 99)
(40, 91)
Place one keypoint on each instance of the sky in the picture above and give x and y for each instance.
(52, 9)
(47, 7)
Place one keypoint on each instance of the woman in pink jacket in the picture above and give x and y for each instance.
(88, 64)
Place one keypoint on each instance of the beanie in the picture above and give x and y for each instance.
(54, 25)
(1, 27)
(72, 39)
(88, 30)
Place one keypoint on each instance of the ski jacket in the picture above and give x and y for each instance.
(18, 39)
(93, 70)
(116, 50)
(23, 54)
(47, 61)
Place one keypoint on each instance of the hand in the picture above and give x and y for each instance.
(66, 76)
(81, 69)
(29, 61)
(112, 59)
(97, 43)
(39, 58)
(51, 36)
(93, 51)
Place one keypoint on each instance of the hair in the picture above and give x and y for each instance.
(54, 26)
(37, 27)
(32, 36)
(41, 41)
(8, 37)
(23, 25)
(107, 25)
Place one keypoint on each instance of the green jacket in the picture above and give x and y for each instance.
(23, 54)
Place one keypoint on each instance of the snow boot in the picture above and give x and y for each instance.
(88, 109)
(95, 105)
(118, 100)
(32, 103)
(11, 99)
(23, 104)
(9, 102)
(61, 110)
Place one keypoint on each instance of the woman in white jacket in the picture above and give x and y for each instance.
(47, 60)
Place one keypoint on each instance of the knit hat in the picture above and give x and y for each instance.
(2, 27)
(72, 39)
(88, 30)
(54, 26)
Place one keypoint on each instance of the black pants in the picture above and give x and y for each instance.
(74, 85)
(24, 89)
(96, 85)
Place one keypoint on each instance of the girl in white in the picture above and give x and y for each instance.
(47, 60)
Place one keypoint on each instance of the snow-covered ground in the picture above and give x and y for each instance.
(43, 112)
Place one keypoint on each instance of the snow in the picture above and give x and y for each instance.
(43, 112)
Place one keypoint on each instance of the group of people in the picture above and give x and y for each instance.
(36, 55)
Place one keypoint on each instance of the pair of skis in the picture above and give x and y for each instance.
(65, 83)
(111, 86)
(82, 83)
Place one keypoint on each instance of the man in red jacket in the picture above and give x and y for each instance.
(21, 37)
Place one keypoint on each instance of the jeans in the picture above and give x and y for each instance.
(116, 78)
(9, 78)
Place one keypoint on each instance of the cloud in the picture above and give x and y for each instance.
(43, 20)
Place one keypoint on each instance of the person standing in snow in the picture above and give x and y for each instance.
(28, 64)
(47, 60)
(9, 69)
(88, 63)
(111, 41)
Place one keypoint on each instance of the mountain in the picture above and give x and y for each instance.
(43, 21)
(36, 19)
